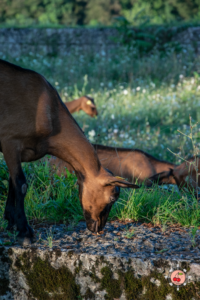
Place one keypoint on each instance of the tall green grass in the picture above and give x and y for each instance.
(142, 103)
(54, 199)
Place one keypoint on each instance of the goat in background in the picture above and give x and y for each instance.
(84, 103)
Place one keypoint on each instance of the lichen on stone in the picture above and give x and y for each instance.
(89, 295)
(153, 291)
(112, 286)
(132, 285)
(78, 269)
(4, 286)
(47, 283)
(4, 281)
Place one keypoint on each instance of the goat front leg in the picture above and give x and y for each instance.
(12, 157)
(9, 213)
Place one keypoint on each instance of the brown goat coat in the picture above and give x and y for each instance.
(132, 164)
(34, 122)
(184, 175)
(84, 103)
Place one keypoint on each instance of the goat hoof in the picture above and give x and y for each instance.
(24, 241)
(26, 238)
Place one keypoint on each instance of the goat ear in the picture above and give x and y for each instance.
(121, 182)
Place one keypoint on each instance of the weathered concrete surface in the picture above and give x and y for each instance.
(36, 273)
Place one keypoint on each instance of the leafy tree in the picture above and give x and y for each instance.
(93, 12)
(102, 11)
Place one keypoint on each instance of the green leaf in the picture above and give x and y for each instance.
(5, 182)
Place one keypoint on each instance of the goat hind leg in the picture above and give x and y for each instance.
(9, 213)
(12, 158)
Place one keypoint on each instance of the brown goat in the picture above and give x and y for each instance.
(35, 122)
(84, 103)
(184, 175)
(132, 164)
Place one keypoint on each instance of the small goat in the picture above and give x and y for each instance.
(184, 175)
(132, 164)
(35, 122)
(84, 103)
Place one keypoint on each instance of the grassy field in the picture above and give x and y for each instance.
(143, 102)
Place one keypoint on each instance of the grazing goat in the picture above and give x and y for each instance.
(34, 122)
(184, 175)
(132, 164)
(84, 103)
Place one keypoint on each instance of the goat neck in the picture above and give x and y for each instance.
(74, 105)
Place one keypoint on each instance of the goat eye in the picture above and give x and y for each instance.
(112, 199)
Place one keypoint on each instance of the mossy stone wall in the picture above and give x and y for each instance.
(59, 42)
(62, 275)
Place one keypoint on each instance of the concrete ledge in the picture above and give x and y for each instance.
(35, 273)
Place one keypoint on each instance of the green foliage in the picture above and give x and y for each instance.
(145, 38)
(49, 197)
(157, 206)
(95, 12)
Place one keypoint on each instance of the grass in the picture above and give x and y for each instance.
(142, 103)
(54, 199)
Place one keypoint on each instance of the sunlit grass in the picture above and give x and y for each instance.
(51, 198)
(142, 104)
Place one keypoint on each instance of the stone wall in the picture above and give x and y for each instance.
(60, 42)
(64, 275)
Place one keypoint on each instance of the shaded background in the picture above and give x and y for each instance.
(96, 12)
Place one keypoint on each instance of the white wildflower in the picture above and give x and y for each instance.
(181, 76)
(91, 133)
(144, 91)
(112, 116)
(138, 88)
(56, 83)
(115, 131)
(125, 92)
